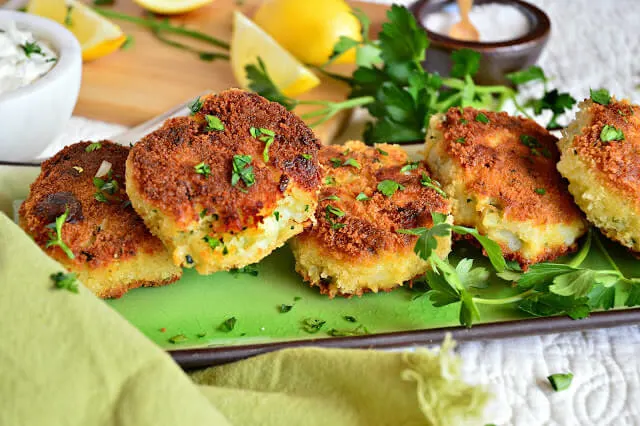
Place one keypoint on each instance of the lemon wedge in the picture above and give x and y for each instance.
(97, 35)
(171, 7)
(249, 42)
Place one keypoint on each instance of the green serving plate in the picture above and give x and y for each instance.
(270, 309)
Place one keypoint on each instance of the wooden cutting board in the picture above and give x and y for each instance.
(131, 86)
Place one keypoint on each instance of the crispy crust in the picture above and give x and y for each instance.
(618, 162)
(498, 165)
(101, 235)
(162, 163)
(60, 185)
(370, 226)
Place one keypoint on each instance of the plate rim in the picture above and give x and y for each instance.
(191, 359)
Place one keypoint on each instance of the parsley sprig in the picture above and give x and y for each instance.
(265, 135)
(56, 239)
(242, 170)
(65, 281)
(261, 83)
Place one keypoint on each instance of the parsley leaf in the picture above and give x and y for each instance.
(65, 281)
(265, 135)
(260, 82)
(533, 73)
(409, 166)
(228, 325)
(213, 123)
(358, 331)
(312, 325)
(203, 169)
(433, 184)
(195, 106)
(56, 239)
(283, 309)
(482, 118)
(242, 170)
(362, 197)
(610, 133)
(493, 250)
(465, 62)
(540, 191)
(560, 382)
(249, 270)
(427, 236)
(334, 211)
(343, 45)
(93, 146)
(178, 338)
(31, 48)
(212, 242)
(351, 162)
(389, 187)
(600, 96)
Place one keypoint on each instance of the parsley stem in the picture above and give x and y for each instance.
(456, 83)
(332, 108)
(607, 256)
(163, 25)
(505, 300)
(583, 252)
(157, 32)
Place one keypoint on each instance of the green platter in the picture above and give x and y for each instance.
(194, 307)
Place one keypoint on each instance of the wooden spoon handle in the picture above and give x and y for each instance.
(465, 7)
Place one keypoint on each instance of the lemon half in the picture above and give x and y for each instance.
(97, 35)
(250, 42)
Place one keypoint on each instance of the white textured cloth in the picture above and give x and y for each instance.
(594, 43)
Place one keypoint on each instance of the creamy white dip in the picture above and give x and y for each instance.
(23, 58)
(495, 22)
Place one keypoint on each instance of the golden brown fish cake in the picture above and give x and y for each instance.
(604, 177)
(113, 250)
(500, 173)
(354, 246)
(214, 207)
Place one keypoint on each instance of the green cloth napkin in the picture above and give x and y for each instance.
(68, 359)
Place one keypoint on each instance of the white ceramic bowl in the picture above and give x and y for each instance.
(32, 116)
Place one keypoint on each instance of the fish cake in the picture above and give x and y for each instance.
(112, 249)
(354, 245)
(500, 172)
(226, 186)
(604, 175)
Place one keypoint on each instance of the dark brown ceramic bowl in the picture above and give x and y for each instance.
(498, 58)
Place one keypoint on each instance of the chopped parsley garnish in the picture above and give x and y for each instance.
(334, 211)
(104, 186)
(351, 162)
(610, 133)
(535, 146)
(358, 331)
(202, 213)
(242, 170)
(409, 166)
(195, 106)
(68, 21)
(93, 146)
(482, 118)
(335, 162)
(600, 96)
(362, 197)
(463, 121)
(560, 382)
(56, 239)
(389, 187)
(31, 48)
(329, 180)
(461, 140)
(203, 169)
(264, 135)
(332, 197)
(65, 281)
(432, 184)
(228, 324)
(306, 156)
(213, 242)
(213, 123)
(249, 270)
(381, 151)
(276, 214)
(312, 325)
(350, 318)
(540, 191)
(283, 309)
(178, 338)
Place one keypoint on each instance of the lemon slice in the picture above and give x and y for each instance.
(171, 7)
(97, 35)
(250, 42)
